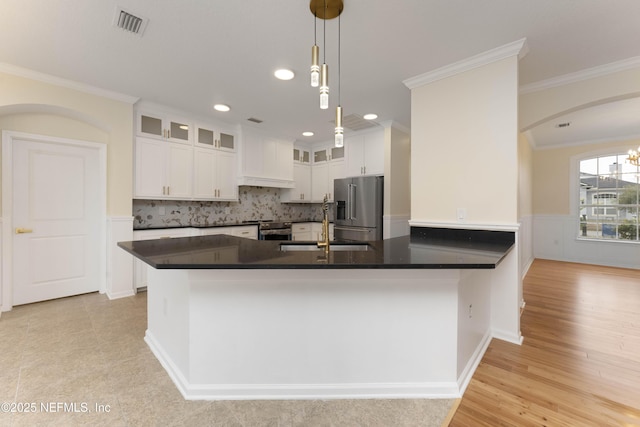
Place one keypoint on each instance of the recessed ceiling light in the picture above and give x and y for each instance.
(307, 133)
(284, 74)
(370, 116)
(221, 107)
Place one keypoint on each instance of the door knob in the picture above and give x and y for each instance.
(23, 230)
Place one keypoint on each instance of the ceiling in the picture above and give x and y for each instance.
(195, 53)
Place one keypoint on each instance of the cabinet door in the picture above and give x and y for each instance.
(302, 177)
(179, 131)
(226, 176)
(320, 156)
(319, 182)
(374, 153)
(150, 125)
(179, 161)
(355, 155)
(204, 173)
(336, 153)
(150, 168)
(227, 141)
(205, 137)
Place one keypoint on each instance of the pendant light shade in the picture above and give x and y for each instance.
(315, 68)
(324, 87)
(339, 137)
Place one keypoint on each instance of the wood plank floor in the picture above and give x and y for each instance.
(579, 364)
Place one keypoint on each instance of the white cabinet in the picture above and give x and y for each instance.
(301, 231)
(162, 126)
(301, 192)
(246, 231)
(365, 154)
(214, 175)
(320, 182)
(301, 155)
(140, 267)
(162, 169)
(265, 161)
(208, 137)
(328, 165)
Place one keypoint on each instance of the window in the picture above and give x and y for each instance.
(609, 198)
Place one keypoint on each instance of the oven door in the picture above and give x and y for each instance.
(279, 234)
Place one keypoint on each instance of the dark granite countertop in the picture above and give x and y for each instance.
(425, 248)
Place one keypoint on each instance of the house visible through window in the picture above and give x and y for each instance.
(609, 198)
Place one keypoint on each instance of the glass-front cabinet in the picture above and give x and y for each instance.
(301, 155)
(207, 137)
(161, 126)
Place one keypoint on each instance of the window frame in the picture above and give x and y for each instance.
(577, 205)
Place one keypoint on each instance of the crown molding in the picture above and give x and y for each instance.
(578, 76)
(519, 48)
(69, 84)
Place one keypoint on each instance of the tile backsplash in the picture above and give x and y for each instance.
(255, 203)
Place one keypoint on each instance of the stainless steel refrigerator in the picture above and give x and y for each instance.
(358, 208)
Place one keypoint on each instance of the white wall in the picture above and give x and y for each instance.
(397, 182)
(464, 146)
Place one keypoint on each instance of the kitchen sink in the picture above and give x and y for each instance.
(335, 247)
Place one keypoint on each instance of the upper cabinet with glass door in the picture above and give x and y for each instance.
(208, 137)
(162, 126)
(301, 155)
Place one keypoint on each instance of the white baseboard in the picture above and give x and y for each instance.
(474, 361)
(119, 262)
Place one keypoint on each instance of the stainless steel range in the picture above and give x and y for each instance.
(274, 230)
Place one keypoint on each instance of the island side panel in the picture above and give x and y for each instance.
(474, 321)
(168, 321)
(505, 299)
(303, 334)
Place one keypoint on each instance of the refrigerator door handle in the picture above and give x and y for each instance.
(352, 203)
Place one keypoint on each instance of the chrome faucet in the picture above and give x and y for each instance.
(324, 241)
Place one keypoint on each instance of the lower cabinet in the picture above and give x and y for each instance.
(301, 231)
(309, 231)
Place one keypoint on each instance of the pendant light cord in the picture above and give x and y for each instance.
(339, 38)
(324, 33)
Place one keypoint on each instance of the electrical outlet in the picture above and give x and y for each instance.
(462, 214)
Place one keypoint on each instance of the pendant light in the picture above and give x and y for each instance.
(315, 54)
(339, 130)
(324, 70)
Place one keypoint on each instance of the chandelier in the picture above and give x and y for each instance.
(634, 157)
(326, 9)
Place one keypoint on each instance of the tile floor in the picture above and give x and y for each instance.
(88, 352)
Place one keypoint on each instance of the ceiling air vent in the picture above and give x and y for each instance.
(355, 122)
(254, 120)
(129, 22)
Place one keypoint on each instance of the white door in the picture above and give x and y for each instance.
(57, 219)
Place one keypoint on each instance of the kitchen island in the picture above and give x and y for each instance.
(233, 318)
